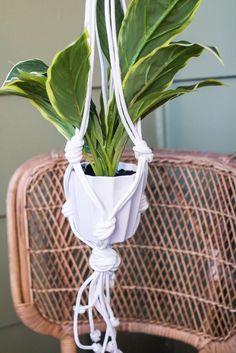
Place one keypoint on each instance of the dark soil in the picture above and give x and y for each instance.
(89, 171)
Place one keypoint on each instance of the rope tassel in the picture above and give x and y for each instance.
(104, 262)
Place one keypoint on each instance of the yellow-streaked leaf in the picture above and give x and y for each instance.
(67, 80)
(150, 24)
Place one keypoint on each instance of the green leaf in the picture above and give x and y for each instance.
(154, 100)
(67, 80)
(12, 91)
(150, 24)
(34, 89)
(156, 71)
(47, 111)
(102, 26)
(32, 83)
(94, 127)
(35, 66)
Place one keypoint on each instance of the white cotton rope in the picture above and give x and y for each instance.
(90, 24)
(116, 74)
(124, 6)
(103, 260)
(103, 68)
(140, 146)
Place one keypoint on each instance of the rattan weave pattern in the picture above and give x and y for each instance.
(179, 269)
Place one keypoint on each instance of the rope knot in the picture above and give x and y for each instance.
(104, 260)
(143, 203)
(114, 321)
(97, 347)
(80, 310)
(111, 349)
(141, 149)
(74, 150)
(95, 335)
(67, 209)
(105, 228)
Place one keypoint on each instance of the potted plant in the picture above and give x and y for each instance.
(139, 61)
(149, 63)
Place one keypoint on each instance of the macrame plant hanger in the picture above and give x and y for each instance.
(104, 260)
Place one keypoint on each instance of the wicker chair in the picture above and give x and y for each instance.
(178, 271)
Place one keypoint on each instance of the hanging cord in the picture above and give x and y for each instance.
(140, 146)
(104, 260)
(124, 6)
(116, 74)
(103, 68)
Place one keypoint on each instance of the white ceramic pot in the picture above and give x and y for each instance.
(86, 216)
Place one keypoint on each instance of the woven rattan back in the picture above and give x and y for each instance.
(177, 276)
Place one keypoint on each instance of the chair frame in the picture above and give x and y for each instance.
(19, 267)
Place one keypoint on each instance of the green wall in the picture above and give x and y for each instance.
(28, 29)
(206, 121)
(201, 121)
